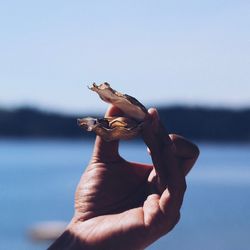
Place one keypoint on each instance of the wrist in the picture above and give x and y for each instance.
(66, 241)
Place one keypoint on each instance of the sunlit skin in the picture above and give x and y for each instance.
(126, 205)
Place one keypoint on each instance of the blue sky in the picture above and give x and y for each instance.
(162, 52)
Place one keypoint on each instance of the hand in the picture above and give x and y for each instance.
(127, 205)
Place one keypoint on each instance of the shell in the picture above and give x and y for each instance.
(128, 104)
(112, 128)
(115, 128)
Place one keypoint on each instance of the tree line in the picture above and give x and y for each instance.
(199, 123)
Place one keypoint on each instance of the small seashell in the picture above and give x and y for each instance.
(116, 128)
(128, 104)
(112, 128)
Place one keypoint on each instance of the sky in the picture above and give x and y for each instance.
(161, 52)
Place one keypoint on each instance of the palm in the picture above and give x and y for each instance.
(113, 187)
(111, 198)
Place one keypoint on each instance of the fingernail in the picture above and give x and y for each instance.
(154, 113)
(155, 118)
(148, 150)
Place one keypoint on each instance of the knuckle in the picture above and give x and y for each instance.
(178, 217)
(196, 150)
(184, 186)
(179, 188)
(173, 222)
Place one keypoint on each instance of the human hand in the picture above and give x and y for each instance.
(127, 205)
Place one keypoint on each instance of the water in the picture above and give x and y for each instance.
(38, 179)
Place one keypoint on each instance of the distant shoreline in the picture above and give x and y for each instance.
(197, 123)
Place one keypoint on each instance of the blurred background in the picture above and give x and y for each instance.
(189, 59)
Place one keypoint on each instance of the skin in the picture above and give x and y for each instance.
(126, 205)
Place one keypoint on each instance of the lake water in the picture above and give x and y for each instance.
(38, 179)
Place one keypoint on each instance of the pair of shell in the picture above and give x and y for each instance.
(116, 128)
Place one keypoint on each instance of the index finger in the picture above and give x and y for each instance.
(170, 176)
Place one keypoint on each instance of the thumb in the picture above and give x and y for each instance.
(103, 150)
